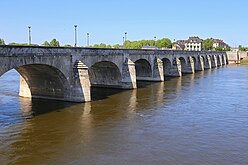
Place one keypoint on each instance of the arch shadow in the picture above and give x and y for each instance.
(105, 74)
(143, 69)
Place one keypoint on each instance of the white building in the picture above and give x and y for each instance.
(193, 44)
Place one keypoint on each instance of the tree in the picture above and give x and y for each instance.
(102, 45)
(21, 44)
(46, 43)
(116, 46)
(241, 48)
(54, 43)
(67, 45)
(219, 48)
(208, 44)
(2, 42)
(164, 42)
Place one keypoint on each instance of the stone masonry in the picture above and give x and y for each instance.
(68, 74)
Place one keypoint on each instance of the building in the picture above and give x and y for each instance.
(179, 45)
(217, 43)
(193, 44)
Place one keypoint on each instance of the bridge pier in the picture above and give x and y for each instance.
(128, 75)
(80, 91)
(208, 62)
(24, 90)
(223, 60)
(190, 66)
(219, 61)
(214, 61)
(158, 70)
(200, 64)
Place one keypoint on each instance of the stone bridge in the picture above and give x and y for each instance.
(68, 73)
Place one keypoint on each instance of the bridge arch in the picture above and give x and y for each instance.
(143, 69)
(105, 73)
(167, 66)
(42, 81)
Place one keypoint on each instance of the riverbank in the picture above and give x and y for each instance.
(244, 62)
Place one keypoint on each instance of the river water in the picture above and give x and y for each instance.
(200, 118)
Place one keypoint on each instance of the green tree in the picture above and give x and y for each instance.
(67, 45)
(2, 42)
(46, 43)
(219, 48)
(54, 43)
(108, 46)
(208, 44)
(227, 49)
(222, 49)
(116, 46)
(164, 42)
(102, 45)
(241, 48)
(21, 44)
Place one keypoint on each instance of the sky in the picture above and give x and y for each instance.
(107, 20)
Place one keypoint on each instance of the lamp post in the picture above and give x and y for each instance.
(125, 36)
(75, 28)
(29, 35)
(155, 38)
(88, 39)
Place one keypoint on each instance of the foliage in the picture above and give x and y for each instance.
(222, 49)
(165, 42)
(2, 42)
(241, 48)
(208, 44)
(22, 44)
(46, 43)
(244, 62)
(116, 46)
(53, 43)
(219, 48)
(102, 45)
(68, 46)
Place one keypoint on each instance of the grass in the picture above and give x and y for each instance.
(244, 62)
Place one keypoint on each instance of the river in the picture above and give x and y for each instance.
(201, 118)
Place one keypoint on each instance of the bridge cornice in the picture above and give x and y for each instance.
(9, 50)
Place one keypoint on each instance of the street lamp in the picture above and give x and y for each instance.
(155, 40)
(75, 27)
(29, 35)
(88, 39)
(123, 40)
(125, 36)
